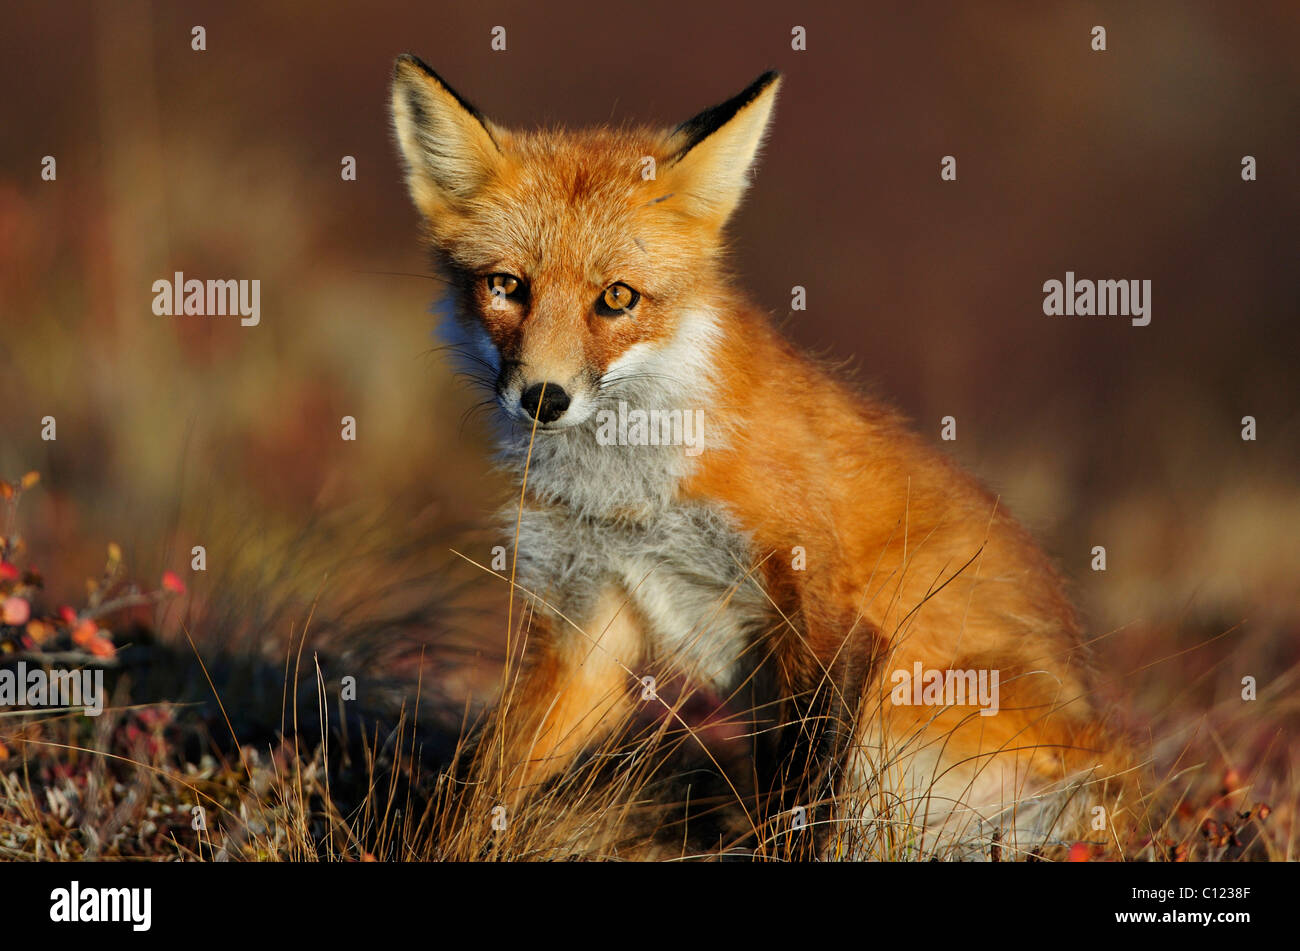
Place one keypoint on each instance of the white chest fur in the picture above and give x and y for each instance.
(610, 515)
(685, 568)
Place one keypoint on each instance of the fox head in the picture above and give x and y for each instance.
(580, 261)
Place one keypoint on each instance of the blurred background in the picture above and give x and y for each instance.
(1123, 164)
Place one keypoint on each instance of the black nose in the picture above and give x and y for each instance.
(545, 409)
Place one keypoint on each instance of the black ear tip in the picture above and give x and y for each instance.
(696, 130)
(411, 61)
(415, 91)
(757, 87)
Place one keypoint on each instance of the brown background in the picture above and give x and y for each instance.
(225, 164)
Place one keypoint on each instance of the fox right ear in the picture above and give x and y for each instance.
(713, 153)
(449, 150)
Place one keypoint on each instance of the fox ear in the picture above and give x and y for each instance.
(449, 149)
(711, 154)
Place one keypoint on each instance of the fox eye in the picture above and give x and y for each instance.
(617, 299)
(502, 286)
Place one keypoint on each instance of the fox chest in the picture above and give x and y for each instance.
(686, 569)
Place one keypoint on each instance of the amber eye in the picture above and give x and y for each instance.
(617, 299)
(502, 286)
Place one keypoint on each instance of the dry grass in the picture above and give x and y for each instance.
(180, 433)
(419, 774)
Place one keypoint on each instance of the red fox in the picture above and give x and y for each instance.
(701, 500)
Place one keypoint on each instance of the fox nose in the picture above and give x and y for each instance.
(545, 408)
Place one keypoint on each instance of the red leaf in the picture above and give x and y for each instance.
(16, 611)
(100, 646)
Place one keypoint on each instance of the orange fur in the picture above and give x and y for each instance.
(908, 559)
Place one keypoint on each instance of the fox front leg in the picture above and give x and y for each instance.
(577, 687)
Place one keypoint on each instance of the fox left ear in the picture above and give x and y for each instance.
(711, 154)
(450, 150)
